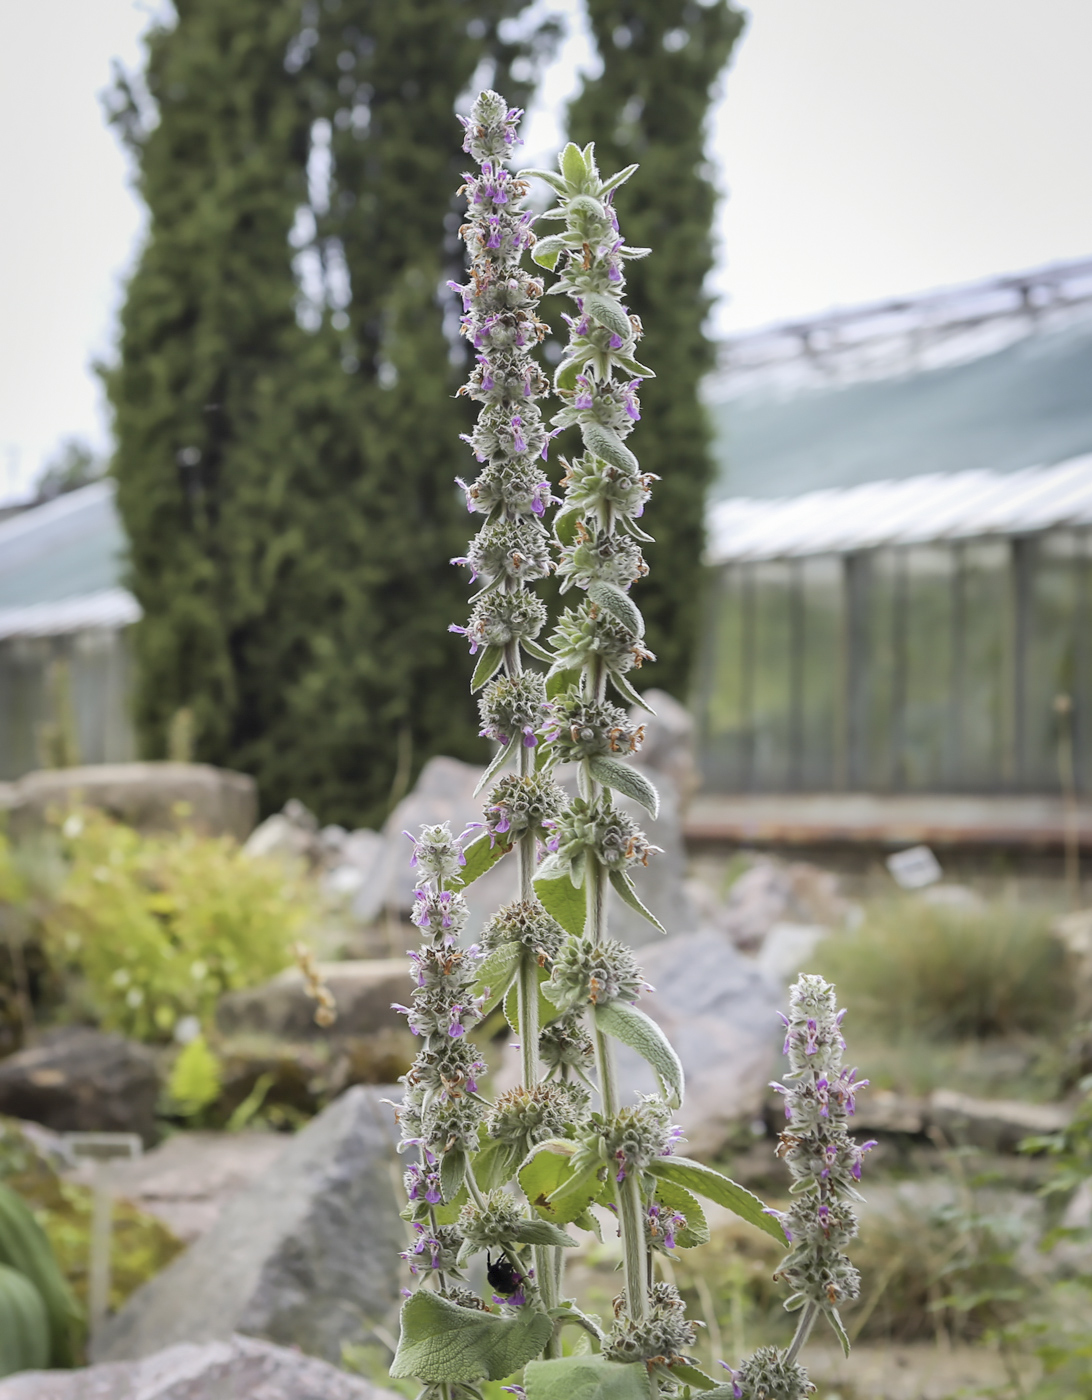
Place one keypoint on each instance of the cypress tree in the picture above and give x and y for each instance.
(268, 461)
(660, 61)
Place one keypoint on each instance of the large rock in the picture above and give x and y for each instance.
(997, 1125)
(307, 1256)
(445, 792)
(149, 796)
(668, 745)
(187, 1180)
(237, 1369)
(720, 1013)
(363, 990)
(81, 1080)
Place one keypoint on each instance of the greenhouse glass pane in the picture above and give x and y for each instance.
(922, 709)
(820, 759)
(981, 698)
(771, 695)
(1049, 663)
(722, 710)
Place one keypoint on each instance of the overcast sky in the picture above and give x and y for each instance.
(868, 148)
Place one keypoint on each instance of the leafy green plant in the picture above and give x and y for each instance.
(195, 1080)
(25, 1249)
(24, 1324)
(161, 925)
(567, 989)
(913, 966)
(141, 1245)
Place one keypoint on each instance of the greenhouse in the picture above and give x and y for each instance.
(923, 635)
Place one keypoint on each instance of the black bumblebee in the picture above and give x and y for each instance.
(503, 1275)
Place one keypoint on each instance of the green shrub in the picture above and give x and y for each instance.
(161, 925)
(949, 972)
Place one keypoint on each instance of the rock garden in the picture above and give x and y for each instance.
(158, 980)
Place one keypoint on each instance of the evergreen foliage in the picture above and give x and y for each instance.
(660, 61)
(286, 490)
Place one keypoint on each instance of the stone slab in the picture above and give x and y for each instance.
(307, 1256)
(239, 1368)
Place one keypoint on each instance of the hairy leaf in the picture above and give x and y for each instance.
(481, 855)
(551, 1186)
(547, 251)
(634, 367)
(564, 902)
(704, 1181)
(541, 1232)
(607, 444)
(496, 763)
(692, 1376)
(616, 180)
(623, 887)
(586, 1378)
(608, 312)
(489, 663)
(641, 1033)
(622, 778)
(573, 166)
(495, 974)
(552, 178)
(672, 1196)
(441, 1341)
(619, 604)
(627, 692)
(495, 1163)
(452, 1173)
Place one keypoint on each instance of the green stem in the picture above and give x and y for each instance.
(631, 1213)
(807, 1319)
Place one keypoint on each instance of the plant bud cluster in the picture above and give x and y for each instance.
(525, 1117)
(664, 1335)
(581, 728)
(597, 972)
(523, 805)
(511, 705)
(527, 923)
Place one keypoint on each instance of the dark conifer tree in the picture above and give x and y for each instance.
(661, 59)
(284, 463)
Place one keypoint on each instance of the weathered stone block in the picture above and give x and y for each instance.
(237, 1369)
(81, 1080)
(307, 1256)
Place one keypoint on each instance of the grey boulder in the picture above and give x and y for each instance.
(363, 989)
(719, 1010)
(82, 1080)
(214, 801)
(307, 1256)
(238, 1368)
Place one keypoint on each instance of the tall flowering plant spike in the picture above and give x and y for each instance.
(562, 1137)
(825, 1163)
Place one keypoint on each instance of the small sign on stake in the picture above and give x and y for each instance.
(914, 868)
(101, 1149)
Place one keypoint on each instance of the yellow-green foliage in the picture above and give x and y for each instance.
(140, 1244)
(160, 925)
(196, 1079)
(949, 971)
(12, 885)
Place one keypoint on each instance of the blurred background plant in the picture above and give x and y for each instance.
(159, 926)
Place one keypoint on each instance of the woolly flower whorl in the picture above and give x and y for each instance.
(597, 972)
(768, 1376)
(493, 1222)
(527, 923)
(666, 1333)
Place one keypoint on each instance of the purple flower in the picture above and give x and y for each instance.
(465, 632)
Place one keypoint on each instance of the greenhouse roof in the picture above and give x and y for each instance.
(61, 566)
(914, 510)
